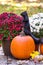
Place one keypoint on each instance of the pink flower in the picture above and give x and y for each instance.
(17, 28)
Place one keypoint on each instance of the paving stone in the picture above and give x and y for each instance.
(14, 61)
(23, 62)
(3, 59)
(31, 63)
(3, 64)
(39, 63)
(12, 64)
(9, 60)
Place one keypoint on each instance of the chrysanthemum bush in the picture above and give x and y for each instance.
(36, 23)
(10, 25)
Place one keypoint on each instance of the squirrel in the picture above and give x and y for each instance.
(27, 30)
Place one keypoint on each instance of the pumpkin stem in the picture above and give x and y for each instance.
(22, 32)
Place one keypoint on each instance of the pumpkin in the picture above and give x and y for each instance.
(22, 46)
(41, 48)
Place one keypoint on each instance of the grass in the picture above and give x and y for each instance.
(18, 10)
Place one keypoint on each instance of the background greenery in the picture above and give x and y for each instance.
(31, 10)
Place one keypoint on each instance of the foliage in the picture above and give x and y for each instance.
(41, 32)
(38, 34)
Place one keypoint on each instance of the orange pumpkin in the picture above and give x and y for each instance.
(41, 48)
(22, 46)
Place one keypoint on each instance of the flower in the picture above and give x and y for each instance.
(34, 54)
(10, 25)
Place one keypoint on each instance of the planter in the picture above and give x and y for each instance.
(6, 46)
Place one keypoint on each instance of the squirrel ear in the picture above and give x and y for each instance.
(24, 13)
(25, 16)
